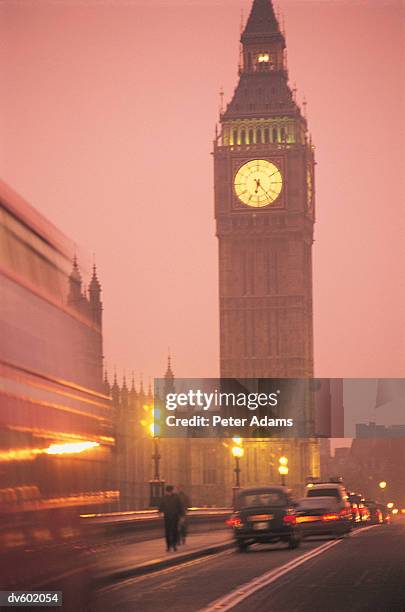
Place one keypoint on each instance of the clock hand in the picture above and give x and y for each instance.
(267, 194)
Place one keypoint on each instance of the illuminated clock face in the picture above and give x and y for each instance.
(258, 183)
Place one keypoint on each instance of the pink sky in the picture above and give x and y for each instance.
(107, 114)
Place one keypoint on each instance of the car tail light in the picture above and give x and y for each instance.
(331, 516)
(344, 513)
(234, 521)
(290, 519)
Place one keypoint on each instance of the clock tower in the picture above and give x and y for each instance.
(265, 214)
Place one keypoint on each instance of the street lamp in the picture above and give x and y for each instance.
(390, 505)
(153, 428)
(283, 469)
(383, 486)
(237, 452)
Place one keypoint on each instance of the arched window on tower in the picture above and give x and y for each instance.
(275, 135)
(266, 136)
(251, 137)
(283, 135)
(258, 136)
(243, 137)
(235, 137)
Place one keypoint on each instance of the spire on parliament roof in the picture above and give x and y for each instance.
(95, 286)
(169, 372)
(75, 274)
(168, 385)
(133, 387)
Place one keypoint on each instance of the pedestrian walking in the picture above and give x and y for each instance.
(186, 504)
(172, 509)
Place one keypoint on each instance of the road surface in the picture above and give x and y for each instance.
(362, 572)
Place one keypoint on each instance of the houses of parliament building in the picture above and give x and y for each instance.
(204, 467)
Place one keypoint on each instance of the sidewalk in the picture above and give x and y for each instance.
(142, 557)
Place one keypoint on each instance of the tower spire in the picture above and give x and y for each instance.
(75, 284)
(115, 390)
(141, 389)
(106, 383)
(133, 388)
(95, 297)
(262, 20)
(169, 377)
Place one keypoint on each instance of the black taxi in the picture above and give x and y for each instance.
(265, 515)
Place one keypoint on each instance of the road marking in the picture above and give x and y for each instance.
(167, 570)
(362, 530)
(244, 591)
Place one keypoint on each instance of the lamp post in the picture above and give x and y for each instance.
(156, 456)
(237, 453)
(283, 469)
(156, 485)
(383, 486)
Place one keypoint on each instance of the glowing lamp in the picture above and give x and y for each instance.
(237, 452)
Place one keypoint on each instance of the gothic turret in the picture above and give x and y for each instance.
(169, 378)
(106, 385)
(124, 393)
(86, 305)
(133, 395)
(149, 397)
(96, 306)
(115, 392)
(75, 296)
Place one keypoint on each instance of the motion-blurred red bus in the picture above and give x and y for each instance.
(56, 435)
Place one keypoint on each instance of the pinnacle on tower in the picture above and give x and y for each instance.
(263, 91)
(124, 393)
(150, 394)
(95, 286)
(75, 284)
(141, 389)
(96, 306)
(115, 391)
(169, 377)
(133, 387)
(262, 20)
(75, 274)
(106, 384)
(169, 372)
